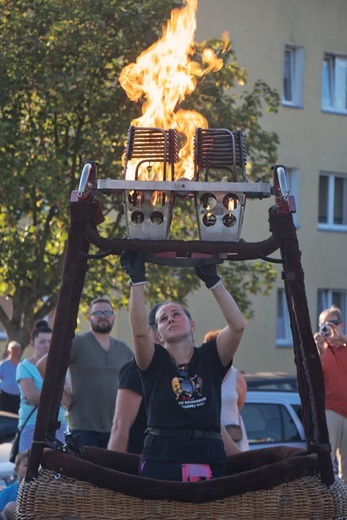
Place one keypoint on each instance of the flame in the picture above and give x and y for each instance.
(230, 202)
(163, 76)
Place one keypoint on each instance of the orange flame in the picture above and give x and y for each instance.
(163, 75)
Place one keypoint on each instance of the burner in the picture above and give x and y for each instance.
(152, 154)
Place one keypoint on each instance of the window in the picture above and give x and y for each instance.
(334, 84)
(283, 331)
(293, 72)
(293, 182)
(329, 297)
(332, 210)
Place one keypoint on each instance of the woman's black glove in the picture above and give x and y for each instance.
(133, 263)
(208, 274)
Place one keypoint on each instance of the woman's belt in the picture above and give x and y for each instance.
(187, 433)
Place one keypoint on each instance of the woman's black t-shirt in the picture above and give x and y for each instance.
(178, 401)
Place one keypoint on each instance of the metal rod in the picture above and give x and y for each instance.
(260, 188)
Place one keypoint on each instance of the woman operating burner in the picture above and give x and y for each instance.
(182, 384)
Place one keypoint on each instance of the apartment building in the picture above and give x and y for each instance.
(299, 48)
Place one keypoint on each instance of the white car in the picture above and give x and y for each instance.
(273, 419)
(272, 381)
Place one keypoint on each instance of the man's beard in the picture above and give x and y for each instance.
(105, 328)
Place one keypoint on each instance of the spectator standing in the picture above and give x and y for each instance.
(8, 496)
(332, 347)
(234, 390)
(9, 390)
(30, 382)
(95, 362)
(130, 417)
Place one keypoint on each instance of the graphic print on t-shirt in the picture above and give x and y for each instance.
(188, 390)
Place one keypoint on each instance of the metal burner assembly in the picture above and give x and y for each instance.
(149, 213)
(151, 184)
(220, 213)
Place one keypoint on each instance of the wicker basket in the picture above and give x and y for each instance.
(52, 496)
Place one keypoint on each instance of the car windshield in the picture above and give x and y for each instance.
(270, 423)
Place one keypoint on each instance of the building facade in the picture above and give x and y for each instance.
(300, 49)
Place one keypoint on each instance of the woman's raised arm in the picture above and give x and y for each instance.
(229, 337)
(134, 265)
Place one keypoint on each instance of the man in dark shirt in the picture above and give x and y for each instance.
(130, 418)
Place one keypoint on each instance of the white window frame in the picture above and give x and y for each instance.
(293, 72)
(293, 183)
(328, 297)
(334, 84)
(330, 202)
(285, 339)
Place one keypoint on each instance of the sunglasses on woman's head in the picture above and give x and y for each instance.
(186, 384)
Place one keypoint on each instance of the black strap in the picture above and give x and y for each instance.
(27, 419)
(187, 433)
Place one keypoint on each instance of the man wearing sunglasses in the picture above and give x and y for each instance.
(95, 362)
(331, 343)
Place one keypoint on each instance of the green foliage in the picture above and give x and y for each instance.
(244, 279)
(60, 105)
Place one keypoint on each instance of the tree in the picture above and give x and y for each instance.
(61, 104)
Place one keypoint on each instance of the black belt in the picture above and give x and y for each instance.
(187, 434)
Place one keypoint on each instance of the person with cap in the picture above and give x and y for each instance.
(182, 383)
(9, 389)
(130, 418)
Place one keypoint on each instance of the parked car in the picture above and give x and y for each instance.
(272, 381)
(272, 411)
